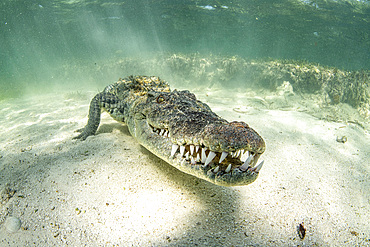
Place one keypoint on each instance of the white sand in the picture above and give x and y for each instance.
(110, 191)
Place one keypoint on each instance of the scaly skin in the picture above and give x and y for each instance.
(180, 129)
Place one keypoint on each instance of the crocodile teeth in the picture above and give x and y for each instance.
(198, 158)
(204, 156)
(192, 160)
(174, 149)
(223, 156)
(244, 167)
(258, 168)
(216, 169)
(228, 169)
(165, 133)
(210, 157)
(162, 132)
(244, 154)
(191, 149)
(182, 150)
(235, 154)
(192, 154)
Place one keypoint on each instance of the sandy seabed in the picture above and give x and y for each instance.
(110, 191)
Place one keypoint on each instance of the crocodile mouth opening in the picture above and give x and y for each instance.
(212, 162)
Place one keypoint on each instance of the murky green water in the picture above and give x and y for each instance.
(40, 39)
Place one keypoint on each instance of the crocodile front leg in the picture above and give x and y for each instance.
(102, 101)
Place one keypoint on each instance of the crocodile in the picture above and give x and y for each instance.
(180, 129)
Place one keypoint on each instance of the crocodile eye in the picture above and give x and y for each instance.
(160, 99)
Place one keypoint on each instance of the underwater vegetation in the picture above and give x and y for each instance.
(331, 89)
(334, 86)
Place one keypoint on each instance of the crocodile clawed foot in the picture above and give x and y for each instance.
(81, 136)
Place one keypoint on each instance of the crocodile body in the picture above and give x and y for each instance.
(181, 130)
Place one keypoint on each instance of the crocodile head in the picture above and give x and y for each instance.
(187, 134)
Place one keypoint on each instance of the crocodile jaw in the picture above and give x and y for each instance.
(161, 145)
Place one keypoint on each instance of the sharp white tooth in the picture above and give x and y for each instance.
(210, 157)
(216, 169)
(169, 134)
(191, 149)
(204, 156)
(244, 167)
(196, 149)
(192, 160)
(258, 168)
(223, 156)
(198, 158)
(187, 156)
(183, 162)
(244, 155)
(228, 169)
(162, 131)
(182, 150)
(165, 133)
(248, 161)
(174, 149)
